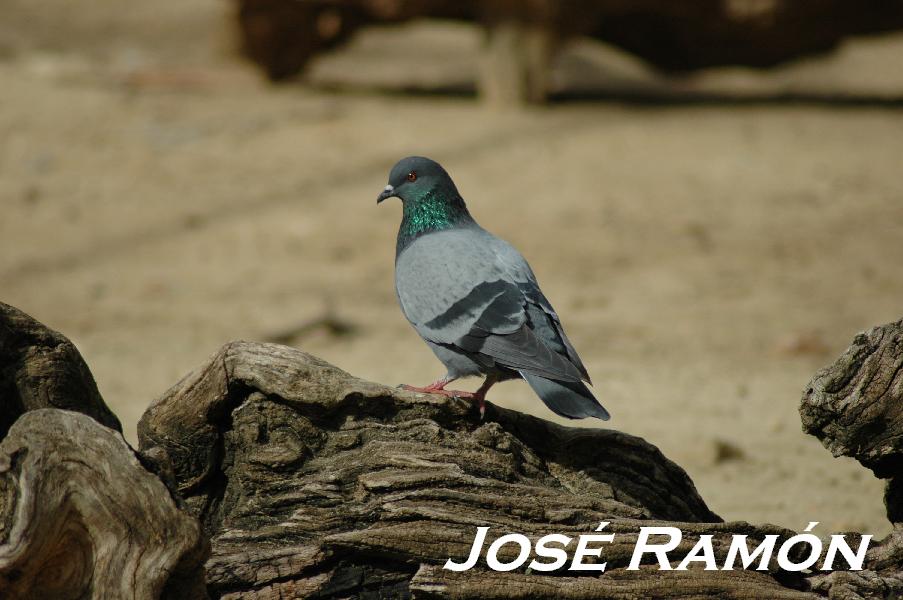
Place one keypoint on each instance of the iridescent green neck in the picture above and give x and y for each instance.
(436, 210)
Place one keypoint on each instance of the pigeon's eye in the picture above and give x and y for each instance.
(412, 176)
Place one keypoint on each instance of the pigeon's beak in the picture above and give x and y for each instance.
(386, 193)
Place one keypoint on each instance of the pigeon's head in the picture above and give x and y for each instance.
(413, 177)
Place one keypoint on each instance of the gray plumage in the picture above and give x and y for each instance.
(474, 299)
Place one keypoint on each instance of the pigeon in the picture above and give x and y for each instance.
(474, 299)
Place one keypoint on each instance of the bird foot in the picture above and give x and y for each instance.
(437, 390)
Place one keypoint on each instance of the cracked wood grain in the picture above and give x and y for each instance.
(81, 518)
(41, 368)
(313, 483)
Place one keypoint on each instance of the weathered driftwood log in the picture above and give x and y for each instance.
(40, 368)
(313, 483)
(522, 36)
(81, 518)
(855, 407)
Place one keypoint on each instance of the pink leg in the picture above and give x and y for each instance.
(438, 387)
(480, 394)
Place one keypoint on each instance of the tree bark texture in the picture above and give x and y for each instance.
(313, 483)
(855, 407)
(40, 368)
(81, 518)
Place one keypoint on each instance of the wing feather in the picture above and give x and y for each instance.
(521, 351)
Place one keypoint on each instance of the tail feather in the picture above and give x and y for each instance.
(566, 398)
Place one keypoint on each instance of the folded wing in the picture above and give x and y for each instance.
(463, 288)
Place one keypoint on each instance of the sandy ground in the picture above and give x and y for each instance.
(160, 200)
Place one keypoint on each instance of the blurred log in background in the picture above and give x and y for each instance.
(523, 36)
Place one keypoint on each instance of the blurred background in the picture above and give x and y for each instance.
(711, 194)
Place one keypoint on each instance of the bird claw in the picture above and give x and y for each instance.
(456, 394)
(440, 391)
